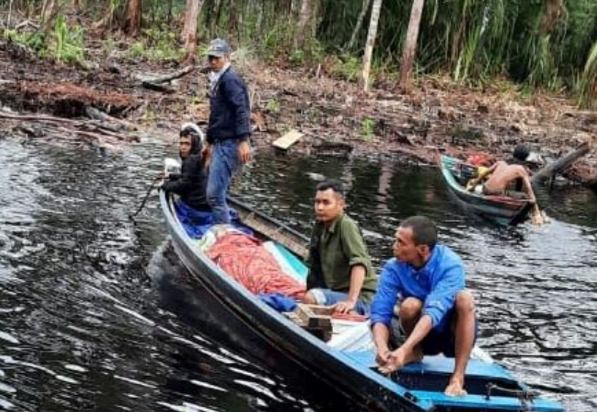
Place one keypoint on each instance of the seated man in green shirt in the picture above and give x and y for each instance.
(340, 272)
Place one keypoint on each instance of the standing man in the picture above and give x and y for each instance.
(228, 131)
(436, 314)
(340, 272)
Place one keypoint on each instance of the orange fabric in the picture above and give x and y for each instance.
(249, 263)
(479, 159)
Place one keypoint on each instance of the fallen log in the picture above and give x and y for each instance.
(96, 136)
(99, 115)
(562, 163)
(158, 87)
(75, 125)
(5, 115)
(153, 80)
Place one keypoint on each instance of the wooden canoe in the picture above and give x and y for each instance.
(352, 373)
(502, 209)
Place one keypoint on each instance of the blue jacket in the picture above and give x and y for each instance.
(230, 112)
(436, 284)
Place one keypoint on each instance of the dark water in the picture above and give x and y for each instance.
(95, 311)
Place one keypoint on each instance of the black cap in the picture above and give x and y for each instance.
(521, 152)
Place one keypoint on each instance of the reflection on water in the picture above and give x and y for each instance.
(96, 313)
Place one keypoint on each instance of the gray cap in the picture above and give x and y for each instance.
(218, 48)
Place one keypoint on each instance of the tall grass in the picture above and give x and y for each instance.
(587, 85)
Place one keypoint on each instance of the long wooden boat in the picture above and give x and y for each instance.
(502, 209)
(352, 373)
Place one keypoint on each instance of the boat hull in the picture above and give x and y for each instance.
(351, 377)
(269, 328)
(503, 209)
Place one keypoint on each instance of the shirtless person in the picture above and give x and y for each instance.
(501, 174)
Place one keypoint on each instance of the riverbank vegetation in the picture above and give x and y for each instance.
(538, 44)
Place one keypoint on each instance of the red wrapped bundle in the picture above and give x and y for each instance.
(245, 259)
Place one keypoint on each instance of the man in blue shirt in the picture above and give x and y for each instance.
(436, 314)
(228, 131)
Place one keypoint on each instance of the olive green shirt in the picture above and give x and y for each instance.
(333, 251)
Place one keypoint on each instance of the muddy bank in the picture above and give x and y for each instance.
(335, 116)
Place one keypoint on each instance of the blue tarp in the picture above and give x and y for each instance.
(197, 223)
(278, 301)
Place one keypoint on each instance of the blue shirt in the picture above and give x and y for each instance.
(436, 284)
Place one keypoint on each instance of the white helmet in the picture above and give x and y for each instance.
(192, 128)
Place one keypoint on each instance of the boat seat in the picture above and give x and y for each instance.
(433, 374)
(437, 364)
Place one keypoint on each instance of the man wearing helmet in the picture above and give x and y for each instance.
(191, 183)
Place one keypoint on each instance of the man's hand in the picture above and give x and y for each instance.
(345, 306)
(395, 361)
(206, 152)
(383, 355)
(537, 218)
(244, 152)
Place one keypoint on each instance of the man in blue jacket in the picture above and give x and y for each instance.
(229, 130)
(436, 314)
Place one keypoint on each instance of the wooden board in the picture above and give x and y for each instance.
(287, 140)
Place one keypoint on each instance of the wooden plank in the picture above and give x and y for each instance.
(294, 245)
(288, 139)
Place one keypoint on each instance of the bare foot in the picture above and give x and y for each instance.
(399, 358)
(455, 388)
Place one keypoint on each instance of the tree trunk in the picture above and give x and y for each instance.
(375, 11)
(107, 20)
(315, 18)
(189, 32)
(215, 16)
(47, 10)
(132, 20)
(562, 163)
(360, 19)
(233, 17)
(9, 15)
(411, 44)
(305, 16)
(76, 4)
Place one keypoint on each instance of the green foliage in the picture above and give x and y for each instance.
(587, 84)
(367, 129)
(62, 43)
(67, 42)
(273, 106)
(346, 66)
(36, 41)
(546, 44)
(297, 57)
(158, 43)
